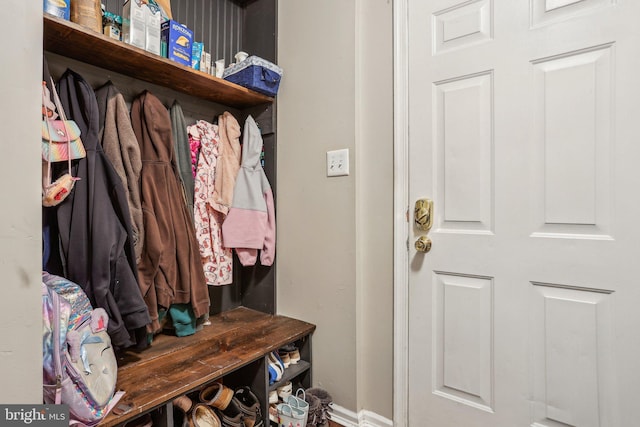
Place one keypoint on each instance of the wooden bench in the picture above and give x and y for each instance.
(235, 345)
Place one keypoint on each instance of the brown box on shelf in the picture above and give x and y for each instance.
(87, 13)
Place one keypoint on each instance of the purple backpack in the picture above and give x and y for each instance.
(79, 364)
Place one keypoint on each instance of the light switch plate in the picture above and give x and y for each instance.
(338, 162)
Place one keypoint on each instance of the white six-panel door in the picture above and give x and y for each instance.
(524, 129)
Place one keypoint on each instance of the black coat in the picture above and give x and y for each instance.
(96, 245)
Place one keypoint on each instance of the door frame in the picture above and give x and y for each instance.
(400, 213)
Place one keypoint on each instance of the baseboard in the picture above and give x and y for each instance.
(344, 417)
(364, 418)
(371, 419)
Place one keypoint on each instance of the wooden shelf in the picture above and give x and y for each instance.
(173, 366)
(74, 41)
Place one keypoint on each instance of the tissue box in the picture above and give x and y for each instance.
(256, 74)
(134, 23)
(153, 22)
(178, 40)
(59, 8)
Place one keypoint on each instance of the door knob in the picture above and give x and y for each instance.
(423, 214)
(423, 244)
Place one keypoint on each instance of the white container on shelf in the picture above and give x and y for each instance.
(134, 23)
(153, 24)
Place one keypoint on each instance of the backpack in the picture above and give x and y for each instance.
(79, 364)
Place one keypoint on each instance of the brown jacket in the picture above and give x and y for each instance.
(170, 269)
(122, 149)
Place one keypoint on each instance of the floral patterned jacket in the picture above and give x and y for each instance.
(217, 260)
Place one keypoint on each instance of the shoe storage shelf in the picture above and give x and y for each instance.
(234, 348)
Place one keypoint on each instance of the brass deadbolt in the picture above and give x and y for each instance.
(423, 214)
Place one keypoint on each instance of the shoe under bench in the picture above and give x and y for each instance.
(235, 346)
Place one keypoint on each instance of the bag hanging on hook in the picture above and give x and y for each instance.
(53, 193)
(61, 141)
(60, 138)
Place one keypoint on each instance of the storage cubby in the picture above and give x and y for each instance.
(244, 329)
(300, 373)
(234, 349)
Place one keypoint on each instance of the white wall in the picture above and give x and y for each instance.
(20, 217)
(335, 243)
(374, 195)
(316, 244)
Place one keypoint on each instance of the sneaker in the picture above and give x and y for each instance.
(285, 390)
(292, 351)
(276, 368)
(288, 347)
(284, 355)
(294, 356)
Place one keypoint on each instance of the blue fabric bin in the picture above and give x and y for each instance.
(256, 74)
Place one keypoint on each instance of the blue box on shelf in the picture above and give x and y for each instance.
(176, 42)
(60, 8)
(256, 74)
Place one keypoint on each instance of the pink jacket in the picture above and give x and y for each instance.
(251, 223)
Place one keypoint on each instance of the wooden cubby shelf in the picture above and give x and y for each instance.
(74, 41)
(174, 366)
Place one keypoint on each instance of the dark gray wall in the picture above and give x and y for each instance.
(217, 23)
(226, 27)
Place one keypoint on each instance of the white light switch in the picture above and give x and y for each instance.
(338, 162)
